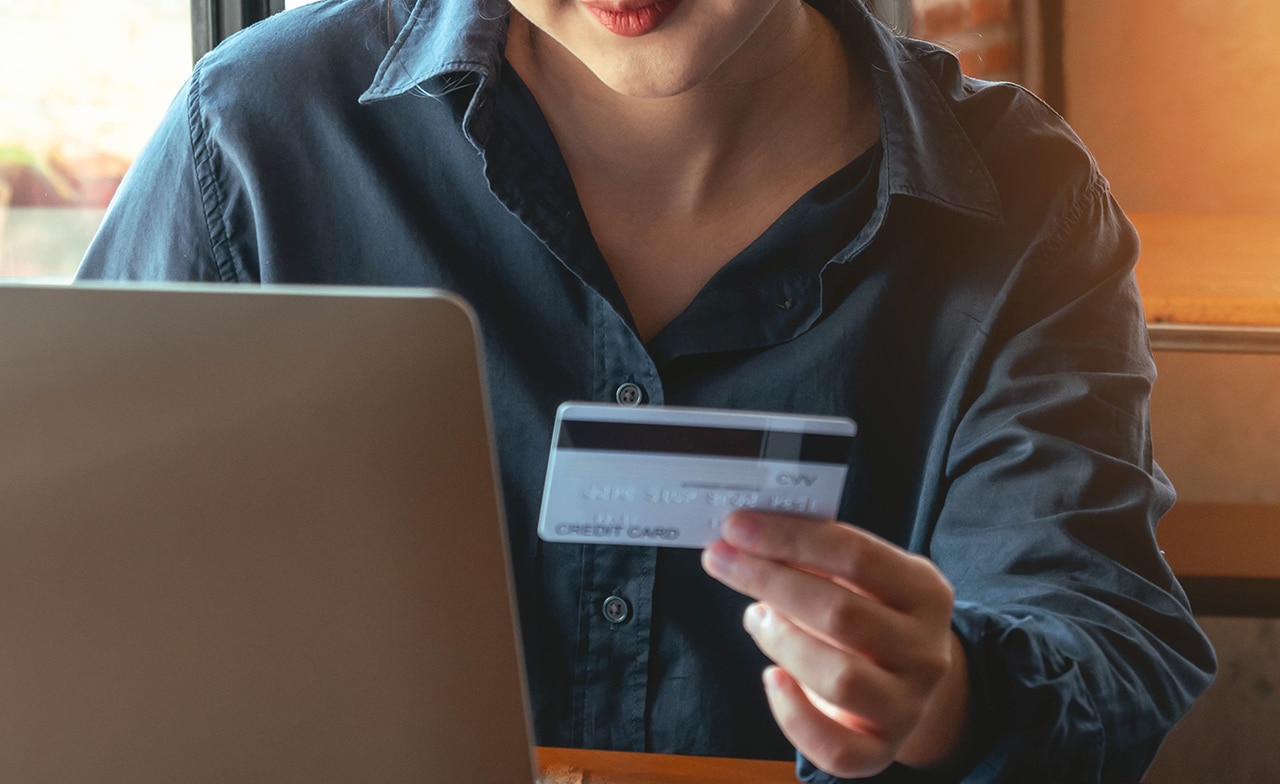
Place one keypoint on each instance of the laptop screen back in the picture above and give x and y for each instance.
(251, 534)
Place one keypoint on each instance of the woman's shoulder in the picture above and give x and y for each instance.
(1043, 176)
(1014, 131)
(327, 51)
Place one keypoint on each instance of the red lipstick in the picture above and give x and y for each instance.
(632, 19)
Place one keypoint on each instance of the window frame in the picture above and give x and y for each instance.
(213, 21)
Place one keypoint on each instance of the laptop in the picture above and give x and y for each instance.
(251, 534)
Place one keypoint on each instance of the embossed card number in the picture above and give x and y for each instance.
(669, 476)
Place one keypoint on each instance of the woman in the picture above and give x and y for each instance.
(758, 204)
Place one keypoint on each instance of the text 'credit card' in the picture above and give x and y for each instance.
(668, 477)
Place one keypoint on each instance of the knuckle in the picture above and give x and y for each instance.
(946, 595)
(932, 666)
(791, 538)
(853, 555)
(904, 724)
(838, 760)
(840, 618)
(944, 592)
(752, 576)
(936, 666)
(922, 566)
(936, 590)
(848, 762)
(844, 682)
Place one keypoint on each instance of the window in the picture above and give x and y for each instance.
(1179, 104)
(85, 83)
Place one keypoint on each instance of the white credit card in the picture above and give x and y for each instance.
(668, 477)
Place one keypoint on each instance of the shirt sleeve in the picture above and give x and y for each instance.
(1081, 647)
(165, 218)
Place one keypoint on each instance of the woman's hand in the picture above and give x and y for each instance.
(868, 670)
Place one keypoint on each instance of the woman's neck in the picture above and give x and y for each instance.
(786, 99)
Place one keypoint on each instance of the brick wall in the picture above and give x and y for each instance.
(985, 34)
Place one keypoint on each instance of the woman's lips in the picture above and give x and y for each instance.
(632, 19)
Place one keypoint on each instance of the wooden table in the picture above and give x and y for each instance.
(576, 766)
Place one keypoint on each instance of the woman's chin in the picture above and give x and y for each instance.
(654, 80)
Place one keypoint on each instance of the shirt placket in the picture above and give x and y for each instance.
(610, 671)
(616, 598)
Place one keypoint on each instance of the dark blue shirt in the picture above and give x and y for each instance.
(964, 292)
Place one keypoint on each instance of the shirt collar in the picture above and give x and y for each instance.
(440, 40)
(927, 155)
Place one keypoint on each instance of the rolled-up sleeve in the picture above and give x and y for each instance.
(1081, 647)
(1080, 643)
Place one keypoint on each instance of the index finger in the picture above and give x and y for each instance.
(861, 559)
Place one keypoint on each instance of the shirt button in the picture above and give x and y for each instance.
(616, 610)
(629, 395)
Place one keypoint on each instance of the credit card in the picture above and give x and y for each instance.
(668, 477)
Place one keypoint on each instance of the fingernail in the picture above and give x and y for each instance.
(719, 559)
(741, 528)
(756, 617)
(772, 677)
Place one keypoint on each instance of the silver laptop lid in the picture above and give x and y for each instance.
(251, 535)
